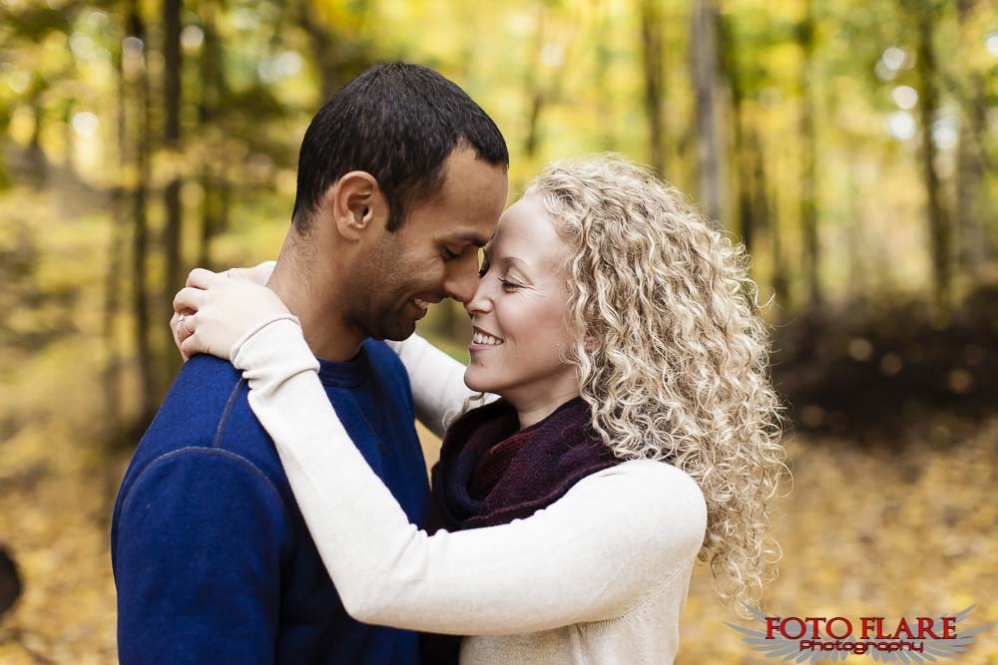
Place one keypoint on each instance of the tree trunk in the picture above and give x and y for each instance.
(532, 142)
(976, 244)
(323, 49)
(140, 231)
(37, 164)
(860, 274)
(604, 97)
(652, 57)
(808, 161)
(744, 156)
(111, 377)
(172, 91)
(746, 173)
(940, 231)
(781, 272)
(69, 138)
(213, 172)
(704, 51)
(535, 93)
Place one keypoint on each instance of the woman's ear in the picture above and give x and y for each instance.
(356, 204)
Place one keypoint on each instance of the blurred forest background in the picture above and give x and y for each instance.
(851, 145)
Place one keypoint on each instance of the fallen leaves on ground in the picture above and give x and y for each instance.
(865, 532)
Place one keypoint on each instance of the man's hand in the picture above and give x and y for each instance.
(214, 312)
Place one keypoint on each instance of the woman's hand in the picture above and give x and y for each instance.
(214, 312)
(258, 274)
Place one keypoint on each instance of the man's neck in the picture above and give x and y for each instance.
(329, 335)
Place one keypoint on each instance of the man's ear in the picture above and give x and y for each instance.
(356, 204)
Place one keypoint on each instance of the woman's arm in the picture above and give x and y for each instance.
(437, 380)
(590, 556)
(438, 388)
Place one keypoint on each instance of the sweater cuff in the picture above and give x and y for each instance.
(277, 343)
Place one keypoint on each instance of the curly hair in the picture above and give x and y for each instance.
(672, 356)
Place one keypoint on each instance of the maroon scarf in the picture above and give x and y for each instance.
(490, 473)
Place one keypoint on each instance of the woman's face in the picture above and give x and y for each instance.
(519, 314)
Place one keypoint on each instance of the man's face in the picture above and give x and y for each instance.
(434, 254)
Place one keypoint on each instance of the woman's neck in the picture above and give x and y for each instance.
(531, 413)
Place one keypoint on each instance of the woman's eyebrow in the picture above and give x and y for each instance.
(514, 262)
(506, 262)
(519, 265)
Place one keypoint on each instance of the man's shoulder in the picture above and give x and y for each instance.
(206, 412)
(199, 406)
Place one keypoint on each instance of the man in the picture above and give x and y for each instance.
(401, 178)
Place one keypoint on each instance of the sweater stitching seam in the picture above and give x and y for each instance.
(214, 452)
(230, 405)
(655, 590)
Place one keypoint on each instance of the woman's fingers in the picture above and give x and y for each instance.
(258, 274)
(182, 325)
(191, 346)
(175, 329)
(217, 302)
(213, 312)
(188, 298)
(202, 278)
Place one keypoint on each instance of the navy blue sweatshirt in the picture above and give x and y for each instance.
(212, 560)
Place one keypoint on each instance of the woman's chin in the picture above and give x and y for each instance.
(475, 381)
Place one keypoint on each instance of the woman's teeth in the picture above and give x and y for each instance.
(422, 304)
(482, 338)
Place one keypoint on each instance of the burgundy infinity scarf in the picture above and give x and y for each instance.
(489, 473)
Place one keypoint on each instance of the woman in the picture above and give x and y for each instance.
(636, 428)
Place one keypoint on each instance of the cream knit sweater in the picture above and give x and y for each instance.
(600, 576)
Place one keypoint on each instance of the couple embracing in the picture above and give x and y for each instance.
(615, 420)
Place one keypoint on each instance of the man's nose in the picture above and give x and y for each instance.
(462, 280)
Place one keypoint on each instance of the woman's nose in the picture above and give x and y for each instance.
(480, 302)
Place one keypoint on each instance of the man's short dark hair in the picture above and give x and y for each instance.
(398, 122)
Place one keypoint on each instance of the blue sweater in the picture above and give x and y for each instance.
(212, 560)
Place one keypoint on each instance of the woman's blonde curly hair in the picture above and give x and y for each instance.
(673, 359)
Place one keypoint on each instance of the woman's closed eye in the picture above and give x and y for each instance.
(508, 285)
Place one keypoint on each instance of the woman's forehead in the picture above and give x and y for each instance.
(527, 235)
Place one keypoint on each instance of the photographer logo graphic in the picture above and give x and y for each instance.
(813, 639)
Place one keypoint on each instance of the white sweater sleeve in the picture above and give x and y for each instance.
(437, 380)
(590, 556)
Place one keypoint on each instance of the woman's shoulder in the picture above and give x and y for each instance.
(653, 495)
(650, 477)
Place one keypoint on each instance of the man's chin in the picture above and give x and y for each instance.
(397, 330)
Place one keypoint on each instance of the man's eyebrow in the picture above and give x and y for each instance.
(471, 237)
